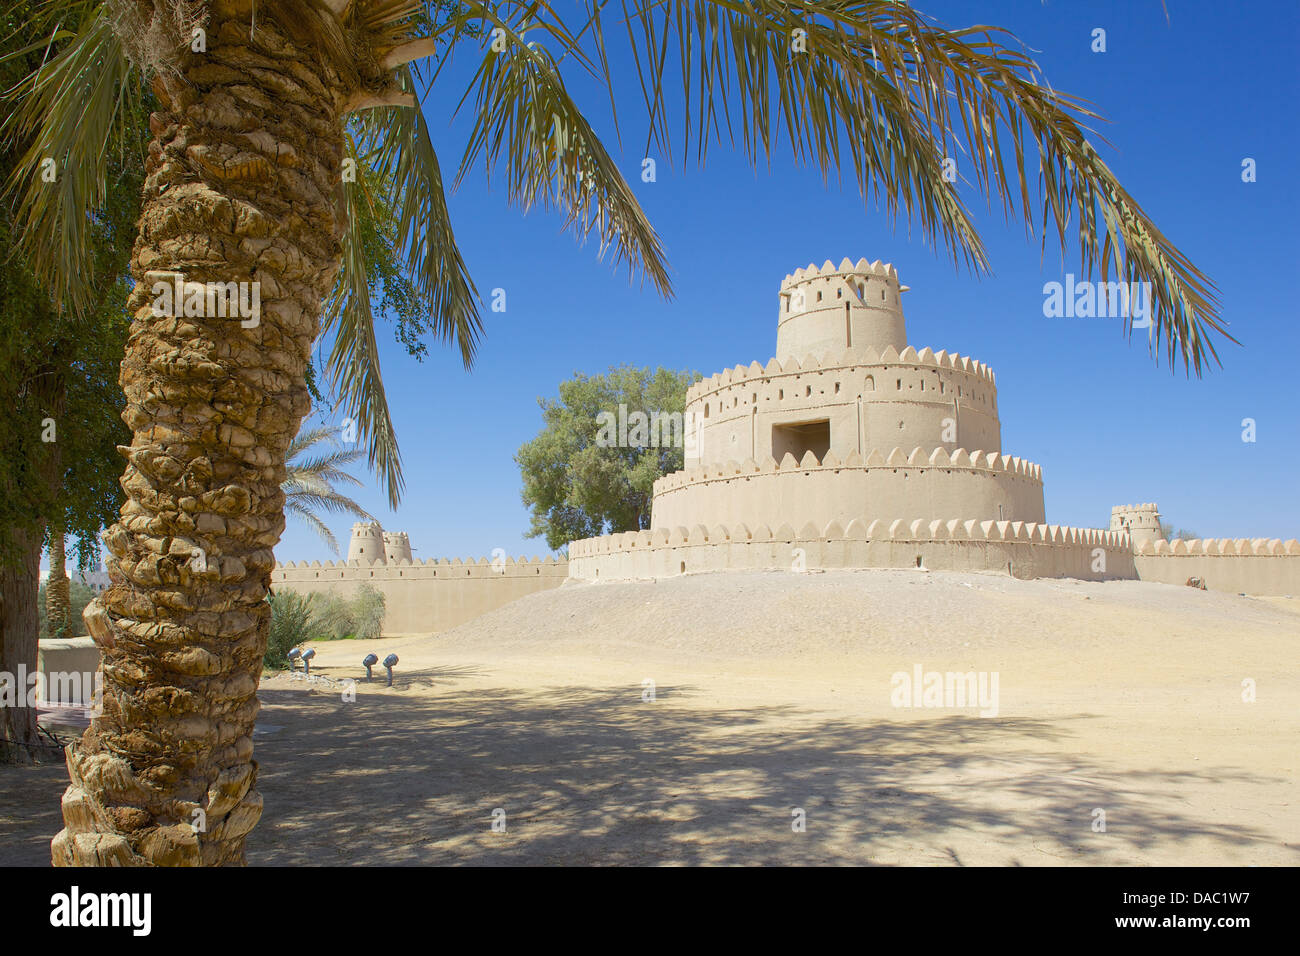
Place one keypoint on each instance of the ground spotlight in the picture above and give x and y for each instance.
(370, 661)
(389, 663)
(306, 660)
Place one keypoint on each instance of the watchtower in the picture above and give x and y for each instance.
(1142, 522)
(367, 543)
(831, 309)
(397, 547)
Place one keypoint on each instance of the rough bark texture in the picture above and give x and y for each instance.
(241, 186)
(58, 590)
(19, 586)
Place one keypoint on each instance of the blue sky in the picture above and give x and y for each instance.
(1187, 101)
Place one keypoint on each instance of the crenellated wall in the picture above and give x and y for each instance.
(1241, 565)
(906, 485)
(1024, 550)
(872, 398)
(428, 596)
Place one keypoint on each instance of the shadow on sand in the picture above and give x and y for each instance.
(595, 775)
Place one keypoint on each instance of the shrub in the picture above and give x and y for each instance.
(368, 608)
(333, 616)
(338, 618)
(292, 623)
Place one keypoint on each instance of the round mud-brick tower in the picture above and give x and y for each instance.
(832, 309)
(397, 547)
(846, 422)
(367, 543)
(1142, 522)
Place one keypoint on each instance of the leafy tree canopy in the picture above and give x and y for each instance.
(592, 468)
(59, 463)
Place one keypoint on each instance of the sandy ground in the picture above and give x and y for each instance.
(772, 702)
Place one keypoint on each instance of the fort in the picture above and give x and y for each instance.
(847, 449)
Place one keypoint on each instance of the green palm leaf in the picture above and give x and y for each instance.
(309, 483)
(69, 116)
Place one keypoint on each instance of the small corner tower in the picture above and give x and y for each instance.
(1142, 522)
(367, 544)
(832, 309)
(397, 547)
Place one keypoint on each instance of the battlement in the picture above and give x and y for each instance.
(849, 358)
(895, 458)
(859, 529)
(435, 564)
(847, 268)
(1123, 509)
(1219, 546)
(1017, 548)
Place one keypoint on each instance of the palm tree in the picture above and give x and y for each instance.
(265, 110)
(309, 486)
(58, 588)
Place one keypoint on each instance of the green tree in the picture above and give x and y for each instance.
(606, 438)
(59, 464)
(248, 180)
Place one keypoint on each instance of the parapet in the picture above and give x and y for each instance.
(895, 458)
(1220, 546)
(847, 267)
(1017, 548)
(859, 529)
(842, 359)
(428, 568)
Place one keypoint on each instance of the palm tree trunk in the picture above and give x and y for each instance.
(58, 590)
(241, 182)
(19, 583)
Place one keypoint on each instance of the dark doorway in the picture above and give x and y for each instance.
(801, 438)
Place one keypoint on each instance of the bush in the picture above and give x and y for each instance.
(338, 618)
(368, 613)
(333, 616)
(292, 623)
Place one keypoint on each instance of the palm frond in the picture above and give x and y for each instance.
(908, 92)
(309, 438)
(313, 522)
(872, 85)
(327, 466)
(395, 144)
(553, 158)
(329, 501)
(68, 116)
(353, 366)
